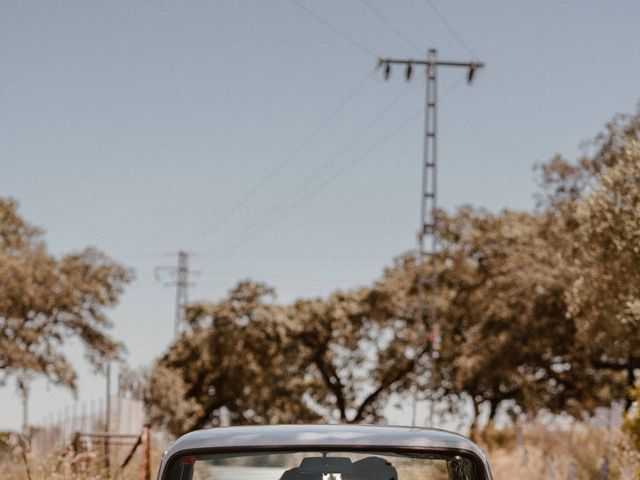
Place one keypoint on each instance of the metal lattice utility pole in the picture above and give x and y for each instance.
(426, 311)
(182, 290)
(107, 421)
(181, 273)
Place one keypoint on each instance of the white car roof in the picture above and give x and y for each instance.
(335, 436)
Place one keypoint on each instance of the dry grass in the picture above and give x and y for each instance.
(543, 454)
(65, 465)
(553, 453)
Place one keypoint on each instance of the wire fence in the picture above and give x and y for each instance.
(54, 432)
(84, 440)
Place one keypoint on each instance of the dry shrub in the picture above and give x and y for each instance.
(552, 452)
(65, 465)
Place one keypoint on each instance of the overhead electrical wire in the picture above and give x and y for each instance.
(291, 156)
(286, 160)
(334, 29)
(391, 27)
(304, 256)
(452, 30)
(294, 205)
(345, 148)
(275, 216)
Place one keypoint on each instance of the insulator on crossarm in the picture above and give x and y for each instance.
(409, 71)
(472, 72)
(387, 71)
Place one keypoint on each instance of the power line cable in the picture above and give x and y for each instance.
(270, 221)
(452, 30)
(334, 29)
(284, 212)
(346, 147)
(286, 160)
(314, 175)
(391, 27)
(304, 256)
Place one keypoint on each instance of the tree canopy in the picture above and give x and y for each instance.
(536, 310)
(45, 300)
(244, 360)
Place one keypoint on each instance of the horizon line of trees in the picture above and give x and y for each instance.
(536, 311)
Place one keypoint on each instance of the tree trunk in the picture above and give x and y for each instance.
(487, 431)
(474, 428)
(631, 380)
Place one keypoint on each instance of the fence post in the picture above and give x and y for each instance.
(551, 466)
(603, 474)
(145, 467)
(107, 422)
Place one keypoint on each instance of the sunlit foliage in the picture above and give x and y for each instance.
(46, 300)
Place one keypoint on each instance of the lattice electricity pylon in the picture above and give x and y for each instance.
(426, 311)
(428, 233)
(182, 282)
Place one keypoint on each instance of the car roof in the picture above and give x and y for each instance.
(336, 436)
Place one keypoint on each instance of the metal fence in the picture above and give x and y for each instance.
(55, 431)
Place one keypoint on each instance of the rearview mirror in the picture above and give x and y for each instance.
(325, 465)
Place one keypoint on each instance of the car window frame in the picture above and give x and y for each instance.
(167, 465)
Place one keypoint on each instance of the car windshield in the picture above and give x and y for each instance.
(318, 465)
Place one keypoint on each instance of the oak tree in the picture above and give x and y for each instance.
(46, 300)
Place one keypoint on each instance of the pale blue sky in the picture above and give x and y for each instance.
(134, 127)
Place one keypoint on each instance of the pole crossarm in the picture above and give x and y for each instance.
(428, 62)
